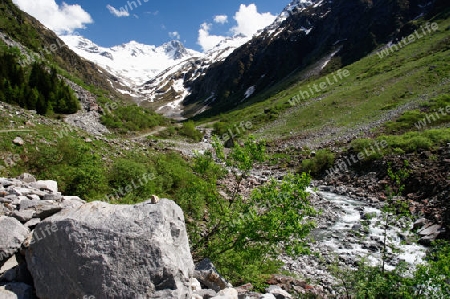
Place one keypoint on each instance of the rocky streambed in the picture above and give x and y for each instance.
(350, 229)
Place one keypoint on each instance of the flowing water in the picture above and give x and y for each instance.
(359, 232)
(347, 231)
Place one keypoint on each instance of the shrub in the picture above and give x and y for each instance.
(188, 129)
(131, 118)
(220, 128)
(405, 122)
(169, 132)
(429, 280)
(79, 171)
(321, 161)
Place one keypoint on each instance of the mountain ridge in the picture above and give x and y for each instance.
(306, 35)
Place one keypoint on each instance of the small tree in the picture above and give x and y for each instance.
(244, 236)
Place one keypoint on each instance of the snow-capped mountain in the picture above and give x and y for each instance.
(150, 73)
(308, 37)
(132, 63)
(169, 88)
(162, 76)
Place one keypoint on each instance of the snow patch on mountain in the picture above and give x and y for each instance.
(251, 90)
(132, 63)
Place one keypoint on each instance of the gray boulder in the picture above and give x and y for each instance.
(206, 273)
(429, 234)
(205, 294)
(12, 235)
(7, 271)
(278, 292)
(49, 185)
(23, 216)
(112, 251)
(18, 141)
(27, 178)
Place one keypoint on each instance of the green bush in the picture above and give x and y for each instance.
(405, 122)
(188, 129)
(418, 140)
(399, 144)
(78, 171)
(220, 128)
(167, 133)
(321, 161)
(131, 118)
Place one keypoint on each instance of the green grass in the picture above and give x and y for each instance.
(436, 112)
(409, 142)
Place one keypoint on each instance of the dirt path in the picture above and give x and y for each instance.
(151, 133)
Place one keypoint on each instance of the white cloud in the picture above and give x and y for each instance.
(174, 35)
(122, 12)
(205, 40)
(221, 19)
(249, 20)
(61, 19)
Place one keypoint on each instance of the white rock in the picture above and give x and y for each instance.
(18, 141)
(4, 294)
(228, 293)
(278, 292)
(20, 290)
(74, 198)
(6, 271)
(49, 185)
(195, 284)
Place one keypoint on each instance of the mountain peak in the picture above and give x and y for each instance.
(175, 49)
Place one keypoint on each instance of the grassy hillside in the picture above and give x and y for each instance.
(92, 168)
(374, 88)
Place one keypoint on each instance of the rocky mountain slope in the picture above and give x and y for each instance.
(175, 82)
(347, 30)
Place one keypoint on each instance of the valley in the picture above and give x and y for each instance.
(305, 152)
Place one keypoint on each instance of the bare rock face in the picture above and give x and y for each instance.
(112, 251)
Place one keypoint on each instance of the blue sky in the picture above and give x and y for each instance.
(198, 24)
